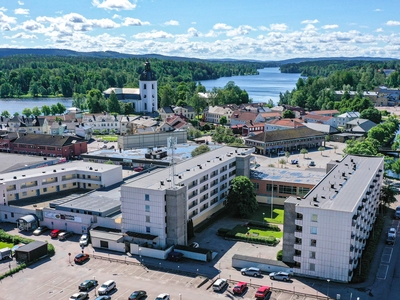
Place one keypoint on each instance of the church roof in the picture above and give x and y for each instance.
(148, 74)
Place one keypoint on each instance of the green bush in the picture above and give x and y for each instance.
(263, 225)
(279, 255)
(50, 249)
(223, 231)
(13, 271)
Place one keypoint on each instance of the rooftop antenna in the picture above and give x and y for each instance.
(171, 143)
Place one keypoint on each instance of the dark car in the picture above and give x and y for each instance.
(81, 258)
(104, 297)
(87, 285)
(137, 295)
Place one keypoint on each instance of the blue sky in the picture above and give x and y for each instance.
(254, 29)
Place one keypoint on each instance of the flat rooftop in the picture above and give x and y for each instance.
(187, 169)
(342, 188)
(311, 177)
(12, 162)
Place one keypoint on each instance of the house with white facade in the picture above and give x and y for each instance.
(157, 207)
(325, 232)
(213, 114)
(343, 119)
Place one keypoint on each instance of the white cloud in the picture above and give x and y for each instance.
(193, 32)
(104, 23)
(263, 28)
(211, 34)
(116, 16)
(6, 19)
(21, 11)
(379, 30)
(32, 25)
(278, 27)
(114, 4)
(222, 26)
(21, 3)
(310, 21)
(134, 22)
(393, 23)
(3, 8)
(378, 9)
(332, 26)
(171, 23)
(241, 30)
(154, 34)
(309, 27)
(21, 35)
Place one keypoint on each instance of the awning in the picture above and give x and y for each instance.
(28, 219)
(144, 236)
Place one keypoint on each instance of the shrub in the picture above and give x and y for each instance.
(223, 231)
(50, 249)
(263, 225)
(279, 255)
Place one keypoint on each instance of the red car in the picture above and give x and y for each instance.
(262, 292)
(81, 258)
(138, 169)
(54, 233)
(240, 287)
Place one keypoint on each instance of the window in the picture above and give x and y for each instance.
(312, 254)
(24, 194)
(313, 243)
(148, 219)
(314, 218)
(313, 230)
(147, 229)
(144, 86)
(104, 244)
(312, 267)
(147, 197)
(147, 208)
(44, 190)
(256, 186)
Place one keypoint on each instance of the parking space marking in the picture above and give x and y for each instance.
(382, 271)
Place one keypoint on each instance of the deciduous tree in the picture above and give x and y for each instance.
(242, 197)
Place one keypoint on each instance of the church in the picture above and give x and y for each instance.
(144, 99)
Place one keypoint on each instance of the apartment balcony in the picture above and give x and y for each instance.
(297, 258)
(298, 222)
(298, 246)
(298, 234)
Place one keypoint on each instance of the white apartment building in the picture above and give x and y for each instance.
(156, 208)
(56, 178)
(325, 232)
(341, 120)
(213, 114)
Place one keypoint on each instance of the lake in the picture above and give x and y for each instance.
(267, 85)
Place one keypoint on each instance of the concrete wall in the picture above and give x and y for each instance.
(158, 139)
(176, 216)
(150, 252)
(12, 213)
(289, 228)
(114, 246)
(263, 264)
(267, 200)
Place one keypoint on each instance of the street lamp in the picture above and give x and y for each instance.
(328, 287)
(263, 217)
(180, 296)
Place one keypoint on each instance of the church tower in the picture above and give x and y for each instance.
(148, 90)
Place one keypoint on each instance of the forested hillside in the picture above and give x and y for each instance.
(63, 76)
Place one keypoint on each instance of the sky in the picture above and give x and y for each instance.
(209, 29)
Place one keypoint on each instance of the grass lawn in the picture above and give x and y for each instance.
(110, 138)
(263, 214)
(241, 230)
(5, 245)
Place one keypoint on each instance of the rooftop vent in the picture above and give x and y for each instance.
(90, 168)
(54, 170)
(15, 177)
(161, 182)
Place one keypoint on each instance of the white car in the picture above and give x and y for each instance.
(163, 297)
(84, 240)
(194, 245)
(107, 287)
(79, 296)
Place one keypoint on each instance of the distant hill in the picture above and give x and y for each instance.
(112, 54)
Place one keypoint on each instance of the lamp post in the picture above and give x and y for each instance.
(180, 296)
(328, 287)
(263, 217)
(272, 196)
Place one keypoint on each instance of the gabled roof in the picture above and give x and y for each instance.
(271, 114)
(325, 128)
(289, 134)
(317, 117)
(361, 125)
(325, 112)
(244, 115)
(293, 123)
(47, 140)
(350, 114)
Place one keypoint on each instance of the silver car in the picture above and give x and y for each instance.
(251, 271)
(279, 276)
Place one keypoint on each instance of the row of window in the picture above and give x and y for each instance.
(284, 189)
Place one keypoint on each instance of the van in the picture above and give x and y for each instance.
(107, 287)
(397, 213)
(219, 285)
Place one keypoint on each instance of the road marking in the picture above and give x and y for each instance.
(382, 271)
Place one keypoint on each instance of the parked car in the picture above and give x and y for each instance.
(163, 297)
(81, 258)
(251, 271)
(220, 284)
(84, 240)
(391, 236)
(64, 235)
(137, 295)
(79, 296)
(194, 245)
(279, 276)
(107, 287)
(104, 147)
(397, 213)
(262, 292)
(104, 297)
(175, 256)
(87, 285)
(138, 169)
(54, 233)
(111, 147)
(295, 161)
(40, 230)
(240, 287)
(312, 163)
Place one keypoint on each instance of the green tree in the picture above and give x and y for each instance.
(287, 155)
(46, 110)
(34, 89)
(36, 111)
(79, 100)
(61, 108)
(321, 149)
(16, 114)
(288, 114)
(304, 151)
(5, 114)
(242, 197)
(113, 104)
(371, 114)
(223, 120)
(54, 109)
(27, 112)
(388, 194)
(200, 150)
